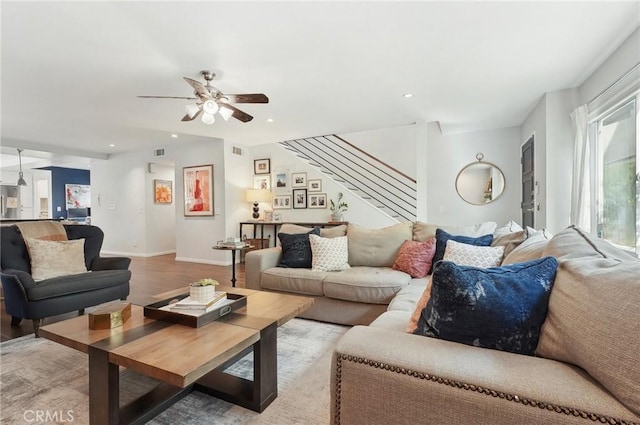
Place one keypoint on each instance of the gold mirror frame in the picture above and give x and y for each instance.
(480, 183)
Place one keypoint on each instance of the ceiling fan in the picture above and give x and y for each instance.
(210, 100)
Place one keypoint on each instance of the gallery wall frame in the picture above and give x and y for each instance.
(281, 180)
(198, 190)
(262, 166)
(162, 191)
(315, 185)
(262, 181)
(299, 198)
(281, 202)
(317, 200)
(299, 180)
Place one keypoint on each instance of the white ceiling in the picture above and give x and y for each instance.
(71, 71)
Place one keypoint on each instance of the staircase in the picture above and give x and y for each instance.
(382, 186)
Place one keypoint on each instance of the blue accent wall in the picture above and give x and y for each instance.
(59, 177)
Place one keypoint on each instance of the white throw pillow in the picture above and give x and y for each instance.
(55, 258)
(470, 255)
(329, 254)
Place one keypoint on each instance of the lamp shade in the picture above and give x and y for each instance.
(258, 195)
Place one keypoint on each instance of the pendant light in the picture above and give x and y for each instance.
(21, 180)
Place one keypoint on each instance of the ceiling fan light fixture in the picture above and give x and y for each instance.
(225, 113)
(210, 107)
(192, 110)
(208, 118)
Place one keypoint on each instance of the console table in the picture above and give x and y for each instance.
(275, 224)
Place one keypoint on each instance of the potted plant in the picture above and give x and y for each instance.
(338, 207)
(203, 290)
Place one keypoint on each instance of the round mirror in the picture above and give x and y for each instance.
(480, 183)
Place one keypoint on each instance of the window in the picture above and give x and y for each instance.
(617, 188)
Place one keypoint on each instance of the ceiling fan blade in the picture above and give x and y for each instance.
(247, 98)
(187, 117)
(238, 114)
(201, 90)
(168, 97)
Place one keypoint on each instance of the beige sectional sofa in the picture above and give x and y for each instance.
(360, 294)
(586, 368)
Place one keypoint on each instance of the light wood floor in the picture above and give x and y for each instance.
(149, 276)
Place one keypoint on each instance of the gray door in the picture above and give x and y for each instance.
(528, 184)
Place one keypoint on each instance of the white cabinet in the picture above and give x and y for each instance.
(26, 194)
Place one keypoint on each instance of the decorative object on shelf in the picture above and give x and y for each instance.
(281, 180)
(281, 202)
(203, 290)
(299, 180)
(318, 200)
(262, 166)
(256, 196)
(299, 198)
(262, 182)
(315, 185)
(162, 191)
(338, 208)
(277, 217)
(21, 180)
(110, 315)
(268, 215)
(480, 183)
(198, 190)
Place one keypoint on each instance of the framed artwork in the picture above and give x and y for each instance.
(299, 180)
(299, 198)
(162, 191)
(262, 182)
(281, 202)
(277, 217)
(318, 200)
(315, 185)
(268, 215)
(262, 166)
(198, 190)
(281, 180)
(77, 195)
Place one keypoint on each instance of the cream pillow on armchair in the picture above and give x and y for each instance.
(55, 258)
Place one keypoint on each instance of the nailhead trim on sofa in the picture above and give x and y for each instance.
(468, 387)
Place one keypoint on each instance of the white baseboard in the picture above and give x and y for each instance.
(204, 261)
(137, 254)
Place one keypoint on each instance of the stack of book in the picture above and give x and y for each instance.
(187, 304)
(239, 244)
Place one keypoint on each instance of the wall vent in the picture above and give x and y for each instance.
(237, 150)
(158, 152)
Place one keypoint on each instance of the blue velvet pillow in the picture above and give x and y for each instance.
(501, 307)
(441, 243)
(296, 249)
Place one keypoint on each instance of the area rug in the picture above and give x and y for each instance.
(38, 375)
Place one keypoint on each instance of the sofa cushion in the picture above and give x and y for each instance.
(374, 285)
(470, 255)
(414, 258)
(296, 250)
(395, 320)
(376, 247)
(78, 283)
(594, 312)
(530, 249)
(329, 254)
(423, 231)
(406, 298)
(441, 243)
(51, 258)
(507, 229)
(298, 281)
(509, 240)
(501, 308)
(325, 232)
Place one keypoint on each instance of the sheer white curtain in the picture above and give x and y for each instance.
(582, 172)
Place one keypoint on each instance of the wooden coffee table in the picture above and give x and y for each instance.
(183, 358)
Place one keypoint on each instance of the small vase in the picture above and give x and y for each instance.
(336, 217)
(202, 294)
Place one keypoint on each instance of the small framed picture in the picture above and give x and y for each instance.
(262, 182)
(268, 215)
(281, 202)
(315, 185)
(299, 198)
(299, 180)
(317, 200)
(262, 166)
(281, 180)
(277, 217)
(162, 191)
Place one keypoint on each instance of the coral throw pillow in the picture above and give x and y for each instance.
(414, 258)
(422, 303)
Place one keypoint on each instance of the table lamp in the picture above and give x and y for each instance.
(256, 196)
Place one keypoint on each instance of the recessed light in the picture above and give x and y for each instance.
(269, 119)
(175, 136)
(112, 145)
(407, 95)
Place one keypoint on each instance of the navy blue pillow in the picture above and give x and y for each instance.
(296, 249)
(501, 307)
(441, 243)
